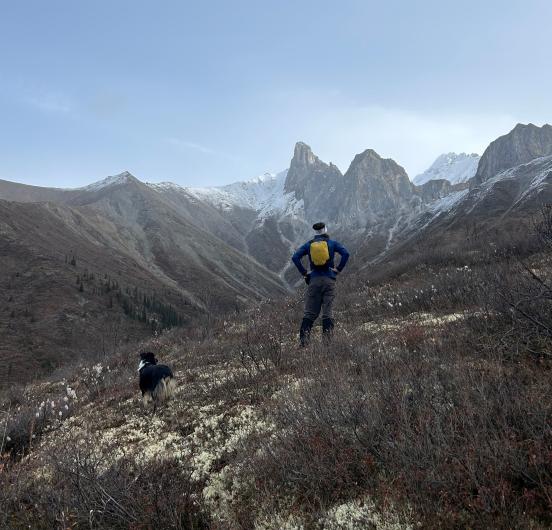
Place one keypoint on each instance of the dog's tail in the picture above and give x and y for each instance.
(164, 390)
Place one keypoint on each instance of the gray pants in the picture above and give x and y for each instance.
(320, 296)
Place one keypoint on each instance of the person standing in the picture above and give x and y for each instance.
(320, 279)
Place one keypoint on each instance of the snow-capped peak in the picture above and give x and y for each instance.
(113, 180)
(265, 177)
(455, 168)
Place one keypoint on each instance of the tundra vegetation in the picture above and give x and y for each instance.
(431, 408)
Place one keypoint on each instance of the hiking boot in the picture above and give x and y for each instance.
(327, 328)
(305, 331)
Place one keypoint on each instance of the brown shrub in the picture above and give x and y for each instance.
(82, 491)
(438, 430)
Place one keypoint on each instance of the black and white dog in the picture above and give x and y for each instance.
(156, 380)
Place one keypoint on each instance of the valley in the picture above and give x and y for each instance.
(196, 251)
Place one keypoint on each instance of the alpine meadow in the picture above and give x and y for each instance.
(358, 344)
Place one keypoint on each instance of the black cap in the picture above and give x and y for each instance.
(318, 226)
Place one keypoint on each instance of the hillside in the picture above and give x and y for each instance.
(406, 420)
(108, 264)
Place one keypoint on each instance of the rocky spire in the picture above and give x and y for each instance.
(314, 182)
(303, 155)
(304, 167)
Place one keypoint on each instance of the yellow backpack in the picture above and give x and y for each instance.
(319, 253)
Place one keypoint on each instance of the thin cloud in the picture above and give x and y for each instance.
(183, 144)
(51, 103)
(186, 144)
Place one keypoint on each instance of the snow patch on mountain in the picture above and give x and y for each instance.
(455, 168)
(536, 175)
(446, 204)
(265, 194)
(165, 186)
(541, 179)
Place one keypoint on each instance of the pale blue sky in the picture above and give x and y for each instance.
(205, 93)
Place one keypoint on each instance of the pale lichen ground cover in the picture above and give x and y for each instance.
(421, 319)
(203, 432)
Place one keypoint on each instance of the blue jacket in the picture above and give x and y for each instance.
(333, 247)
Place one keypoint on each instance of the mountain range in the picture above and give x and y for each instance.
(86, 269)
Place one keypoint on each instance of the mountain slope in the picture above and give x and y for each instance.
(13, 191)
(498, 211)
(522, 144)
(119, 232)
(66, 291)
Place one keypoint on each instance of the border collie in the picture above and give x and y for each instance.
(156, 380)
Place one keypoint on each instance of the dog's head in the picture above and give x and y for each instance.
(146, 358)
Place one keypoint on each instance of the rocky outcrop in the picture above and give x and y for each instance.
(434, 190)
(521, 145)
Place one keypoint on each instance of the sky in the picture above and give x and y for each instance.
(208, 93)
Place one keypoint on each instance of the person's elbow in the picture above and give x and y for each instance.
(344, 259)
(296, 260)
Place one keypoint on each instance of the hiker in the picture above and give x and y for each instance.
(320, 279)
